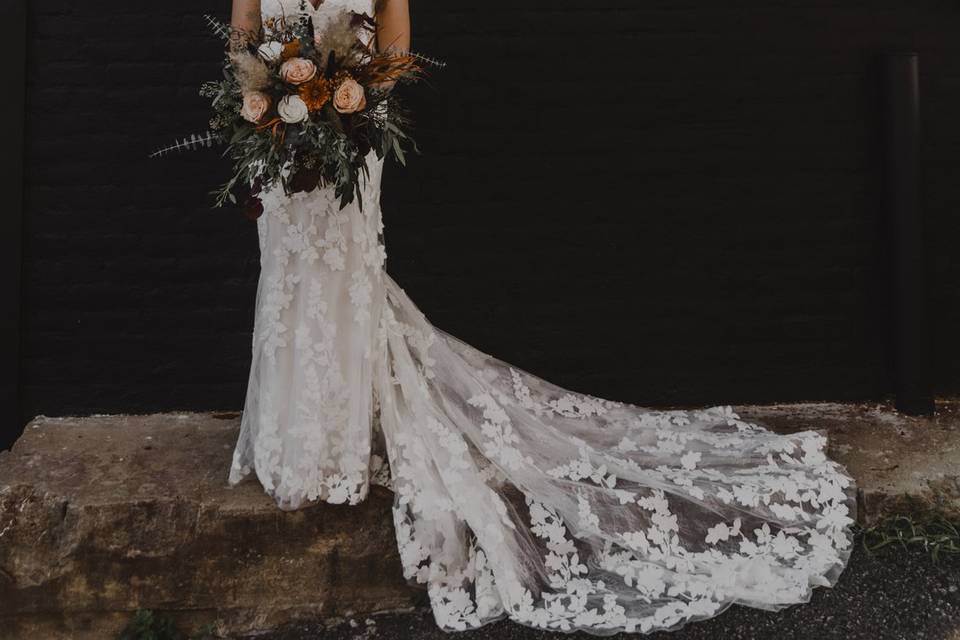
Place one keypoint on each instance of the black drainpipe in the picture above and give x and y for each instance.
(911, 334)
(13, 14)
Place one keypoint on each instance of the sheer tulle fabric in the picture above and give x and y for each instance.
(515, 497)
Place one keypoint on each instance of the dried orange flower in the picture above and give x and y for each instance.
(290, 50)
(315, 93)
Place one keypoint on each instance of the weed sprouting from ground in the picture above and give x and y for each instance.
(147, 625)
(934, 535)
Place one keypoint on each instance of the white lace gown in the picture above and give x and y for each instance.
(514, 497)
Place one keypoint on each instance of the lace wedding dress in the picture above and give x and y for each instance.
(514, 497)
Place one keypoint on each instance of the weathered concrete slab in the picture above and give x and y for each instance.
(902, 464)
(101, 515)
(104, 514)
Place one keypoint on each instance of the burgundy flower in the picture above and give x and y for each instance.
(363, 147)
(305, 179)
(253, 208)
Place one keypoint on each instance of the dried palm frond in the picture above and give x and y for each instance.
(386, 68)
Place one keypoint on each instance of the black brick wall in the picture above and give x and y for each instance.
(705, 228)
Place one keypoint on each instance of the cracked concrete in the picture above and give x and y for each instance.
(101, 515)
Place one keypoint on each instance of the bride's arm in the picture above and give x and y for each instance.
(393, 29)
(245, 20)
(393, 25)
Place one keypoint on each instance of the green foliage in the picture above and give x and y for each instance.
(932, 534)
(336, 148)
(330, 144)
(146, 625)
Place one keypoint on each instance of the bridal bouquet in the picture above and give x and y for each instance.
(304, 107)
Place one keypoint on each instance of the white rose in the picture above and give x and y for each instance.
(270, 51)
(292, 109)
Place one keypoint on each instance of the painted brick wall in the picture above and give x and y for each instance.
(657, 202)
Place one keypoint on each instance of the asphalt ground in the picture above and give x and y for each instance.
(892, 593)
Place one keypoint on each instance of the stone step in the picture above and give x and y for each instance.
(102, 515)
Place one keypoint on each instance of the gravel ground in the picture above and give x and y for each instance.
(891, 594)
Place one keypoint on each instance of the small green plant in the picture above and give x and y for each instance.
(146, 625)
(934, 535)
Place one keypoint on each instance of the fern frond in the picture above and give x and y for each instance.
(218, 27)
(192, 143)
(426, 59)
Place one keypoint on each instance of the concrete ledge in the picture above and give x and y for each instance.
(104, 514)
(902, 464)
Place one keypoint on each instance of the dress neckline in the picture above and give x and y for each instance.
(319, 9)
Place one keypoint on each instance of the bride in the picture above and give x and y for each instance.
(513, 497)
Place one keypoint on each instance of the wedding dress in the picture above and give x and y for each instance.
(513, 497)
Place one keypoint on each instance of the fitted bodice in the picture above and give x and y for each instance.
(323, 13)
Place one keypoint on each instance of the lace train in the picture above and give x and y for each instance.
(515, 497)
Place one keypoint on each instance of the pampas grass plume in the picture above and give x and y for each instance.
(338, 35)
(252, 73)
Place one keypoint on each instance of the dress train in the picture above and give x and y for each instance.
(513, 497)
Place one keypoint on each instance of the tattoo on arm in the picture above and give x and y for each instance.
(241, 39)
(245, 25)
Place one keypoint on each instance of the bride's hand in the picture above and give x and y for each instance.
(386, 86)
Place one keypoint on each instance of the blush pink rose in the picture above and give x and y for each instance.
(298, 70)
(349, 97)
(255, 105)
